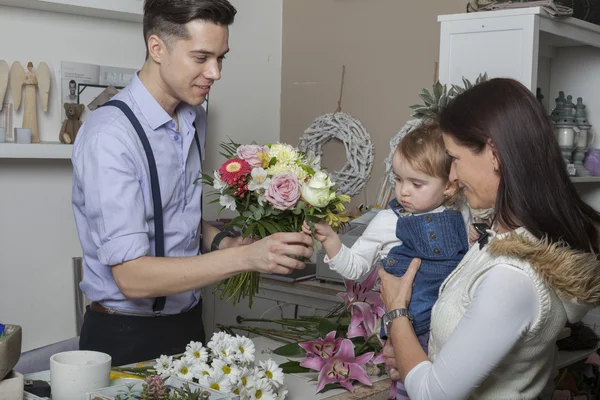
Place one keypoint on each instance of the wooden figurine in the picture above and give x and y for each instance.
(71, 125)
(3, 80)
(18, 78)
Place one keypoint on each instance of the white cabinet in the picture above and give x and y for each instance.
(527, 45)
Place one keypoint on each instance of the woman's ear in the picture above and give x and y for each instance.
(494, 159)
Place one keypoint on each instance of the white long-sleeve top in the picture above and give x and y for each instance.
(504, 306)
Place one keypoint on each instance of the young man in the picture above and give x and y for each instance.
(137, 209)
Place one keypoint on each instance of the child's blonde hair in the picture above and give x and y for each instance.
(423, 148)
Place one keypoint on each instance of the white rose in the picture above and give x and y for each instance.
(317, 191)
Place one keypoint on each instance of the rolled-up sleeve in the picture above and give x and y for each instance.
(108, 176)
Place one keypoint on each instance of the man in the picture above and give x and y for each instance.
(72, 96)
(122, 231)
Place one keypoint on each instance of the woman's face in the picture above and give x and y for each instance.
(474, 173)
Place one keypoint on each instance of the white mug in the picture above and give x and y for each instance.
(74, 373)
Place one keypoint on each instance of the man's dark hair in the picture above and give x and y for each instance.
(72, 82)
(167, 18)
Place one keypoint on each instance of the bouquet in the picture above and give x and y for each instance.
(274, 188)
(344, 347)
(226, 364)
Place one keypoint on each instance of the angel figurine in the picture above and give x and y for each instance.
(18, 78)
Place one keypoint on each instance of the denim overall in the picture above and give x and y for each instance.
(440, 241)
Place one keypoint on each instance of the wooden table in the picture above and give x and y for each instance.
(299, 385)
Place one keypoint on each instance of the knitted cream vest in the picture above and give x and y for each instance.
(526, 369)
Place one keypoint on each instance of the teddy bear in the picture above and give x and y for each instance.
(71, 125)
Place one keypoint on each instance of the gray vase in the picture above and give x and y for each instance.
(10, 349)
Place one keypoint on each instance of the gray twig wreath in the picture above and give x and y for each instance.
(355, 174)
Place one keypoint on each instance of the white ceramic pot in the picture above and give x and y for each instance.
(73, 373)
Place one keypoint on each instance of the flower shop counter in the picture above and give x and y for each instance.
(300, 386)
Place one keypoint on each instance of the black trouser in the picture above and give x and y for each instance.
(130, 339)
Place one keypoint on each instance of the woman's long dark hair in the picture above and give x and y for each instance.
(534, 190)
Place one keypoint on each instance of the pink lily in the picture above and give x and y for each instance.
(363, 292)
(344, 367)
(324, 348)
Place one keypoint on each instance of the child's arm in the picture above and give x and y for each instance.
(352, 263)
(327, 236)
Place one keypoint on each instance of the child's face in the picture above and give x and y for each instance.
(417, 191)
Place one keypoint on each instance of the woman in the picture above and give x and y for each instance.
(494, 326)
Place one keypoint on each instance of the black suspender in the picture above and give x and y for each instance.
(159, 239)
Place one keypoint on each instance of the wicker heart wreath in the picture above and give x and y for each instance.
(355, 173)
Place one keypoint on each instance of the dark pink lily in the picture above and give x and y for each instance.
(322, 348)
(344, 367)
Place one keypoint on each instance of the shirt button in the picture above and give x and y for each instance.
(176, 138)
(432, 235)
(172, 124)
(429, 219)
(436, 250)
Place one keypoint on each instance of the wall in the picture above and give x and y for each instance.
(389, 48)
(37, 233)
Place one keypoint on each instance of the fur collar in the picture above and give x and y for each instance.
(574, 275)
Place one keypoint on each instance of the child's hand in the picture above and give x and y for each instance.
(473, 234)
(323, 231)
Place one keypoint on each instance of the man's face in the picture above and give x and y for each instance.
(72, 87)
(192, 65)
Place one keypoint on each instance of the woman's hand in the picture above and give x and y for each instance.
(396, 292)
(390, 360)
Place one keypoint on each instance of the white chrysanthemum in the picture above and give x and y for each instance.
(196, 353)
(183, 369)
(284, 153)
(164, 366)
(272, 372)
(231, 371)
(281, 393)
(219, 338)
(245, 348)
(201, 369)
(216, 381)
(261, 390)
(245, 377)
(218, 183)
(228, 202)
(259, 180)
(294, 169)
(225, 351)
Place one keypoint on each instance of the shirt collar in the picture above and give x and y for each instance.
(155, 115)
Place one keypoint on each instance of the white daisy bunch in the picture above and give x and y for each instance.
(227, 364)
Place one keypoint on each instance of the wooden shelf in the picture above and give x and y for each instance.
(44, 150)
(566, 358)
(585, 179)
(123, 10)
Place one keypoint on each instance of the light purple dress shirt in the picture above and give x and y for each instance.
(112, 198)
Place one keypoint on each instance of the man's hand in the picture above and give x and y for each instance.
(230, 242)
(279, 253)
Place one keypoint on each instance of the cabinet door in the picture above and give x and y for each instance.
(501, 46)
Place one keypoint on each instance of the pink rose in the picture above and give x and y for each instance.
(249, 153)
(284, 191)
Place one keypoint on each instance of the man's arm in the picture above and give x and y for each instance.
(148, 277)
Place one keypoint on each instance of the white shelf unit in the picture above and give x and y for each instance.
(45, 150)
(528, 45)
(124, 10)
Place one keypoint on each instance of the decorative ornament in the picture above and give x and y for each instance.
(360, 152)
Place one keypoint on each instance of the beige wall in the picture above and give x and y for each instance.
(389, 48)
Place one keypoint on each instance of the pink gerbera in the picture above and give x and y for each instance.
(233, 169)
